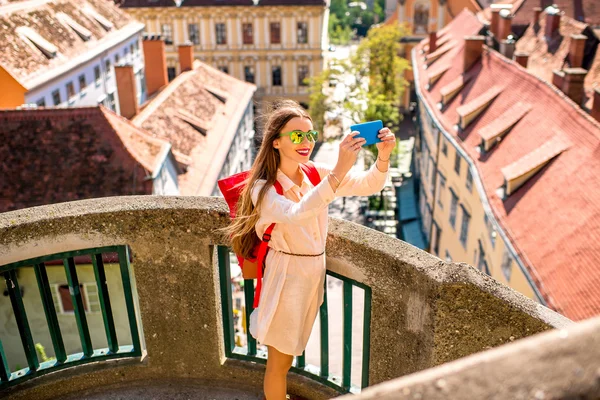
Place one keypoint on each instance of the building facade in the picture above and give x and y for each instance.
(274, 44)
(63, 53)
(505, 164)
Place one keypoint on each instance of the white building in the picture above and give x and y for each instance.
(63, 53)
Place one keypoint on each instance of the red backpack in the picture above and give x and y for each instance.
(231, 187)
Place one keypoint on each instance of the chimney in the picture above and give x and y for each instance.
(432, 41)
(552, 22)
(522, 58)
(186, 56)
(504, 25)
(495, 21)
(573, 83)
(507, 48)
(558, 77)
(473, 51)
(537, 11)
(576, 50)
(126, 89)
(595, 112)
(155, 63)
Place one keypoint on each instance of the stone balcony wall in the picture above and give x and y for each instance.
(425, 311)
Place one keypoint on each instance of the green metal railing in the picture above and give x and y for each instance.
(320, 373)
(89, 354)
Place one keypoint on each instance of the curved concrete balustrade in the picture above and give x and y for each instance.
(424, 311)
(560, 364)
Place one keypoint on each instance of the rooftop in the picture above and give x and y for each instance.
(99, 154)
(564, 193)
(218, 3)
(198, 113)
(39, 38)
(587, 11)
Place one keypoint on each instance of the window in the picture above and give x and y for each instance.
(82, 83)
(171, 73)
(249, 73)
(224, 68)
(70, 90)
(56, 97)
(247, 33)
(277, 76)
(436, 239)
(441, 190)
(469, 180)
(110, 101)
(97, 75)
(302, 75)
(131, 50)
(448, 256)
(107, 67)
(453, 205)
(117, 59)
(136, 46)
(221, 33)
(464, 228)
(482, 265)
(194, 33)
(275, 33)
(491, 230)
(125, 53)
(41, 102)
(302, 32)
(63, 302)
(421, 18)
(167, 33)
(445, 148)
(507, 265)
(457, 163)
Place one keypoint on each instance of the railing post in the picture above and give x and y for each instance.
(347, 352)
(366, 339)
(53, 326)
(21, 318)
(226, 306)
(4, 369)
(249, 299)
(78, 307)
(107, 316)
(123, 252)
(324, 319)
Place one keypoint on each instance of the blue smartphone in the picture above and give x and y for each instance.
(369, 131)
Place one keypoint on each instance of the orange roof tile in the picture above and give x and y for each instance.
(553, 220)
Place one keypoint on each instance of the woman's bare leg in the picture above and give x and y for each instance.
(278, 365)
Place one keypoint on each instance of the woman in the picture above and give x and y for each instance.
(295, 265)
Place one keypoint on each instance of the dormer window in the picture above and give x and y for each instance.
(498, 128)
(93, 14)
(83, 33)
(519, 172)
(471, 110)
(193, 121)
(47, 48)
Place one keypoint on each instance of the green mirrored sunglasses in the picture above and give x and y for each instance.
(298, 136)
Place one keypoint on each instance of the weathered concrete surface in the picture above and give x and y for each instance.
(561, 364)
(165, 390)
(424, 311)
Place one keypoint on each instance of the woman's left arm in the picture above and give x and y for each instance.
(366, 183)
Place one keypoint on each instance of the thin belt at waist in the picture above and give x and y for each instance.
(299, 255)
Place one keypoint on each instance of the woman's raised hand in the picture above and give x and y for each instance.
(349, 148)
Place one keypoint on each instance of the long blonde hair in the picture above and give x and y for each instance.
(242, 228)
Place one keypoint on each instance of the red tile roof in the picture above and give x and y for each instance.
(189, 114)
(553, 220)
(506, 121)
(523, 10)
(21, 59)
(65, 154)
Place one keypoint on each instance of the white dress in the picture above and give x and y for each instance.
(292, 290)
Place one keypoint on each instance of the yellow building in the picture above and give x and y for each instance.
(273, 44)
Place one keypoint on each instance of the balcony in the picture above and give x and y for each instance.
(161, 323)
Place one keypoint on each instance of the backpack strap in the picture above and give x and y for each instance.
(262, 251)
(311, 171)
